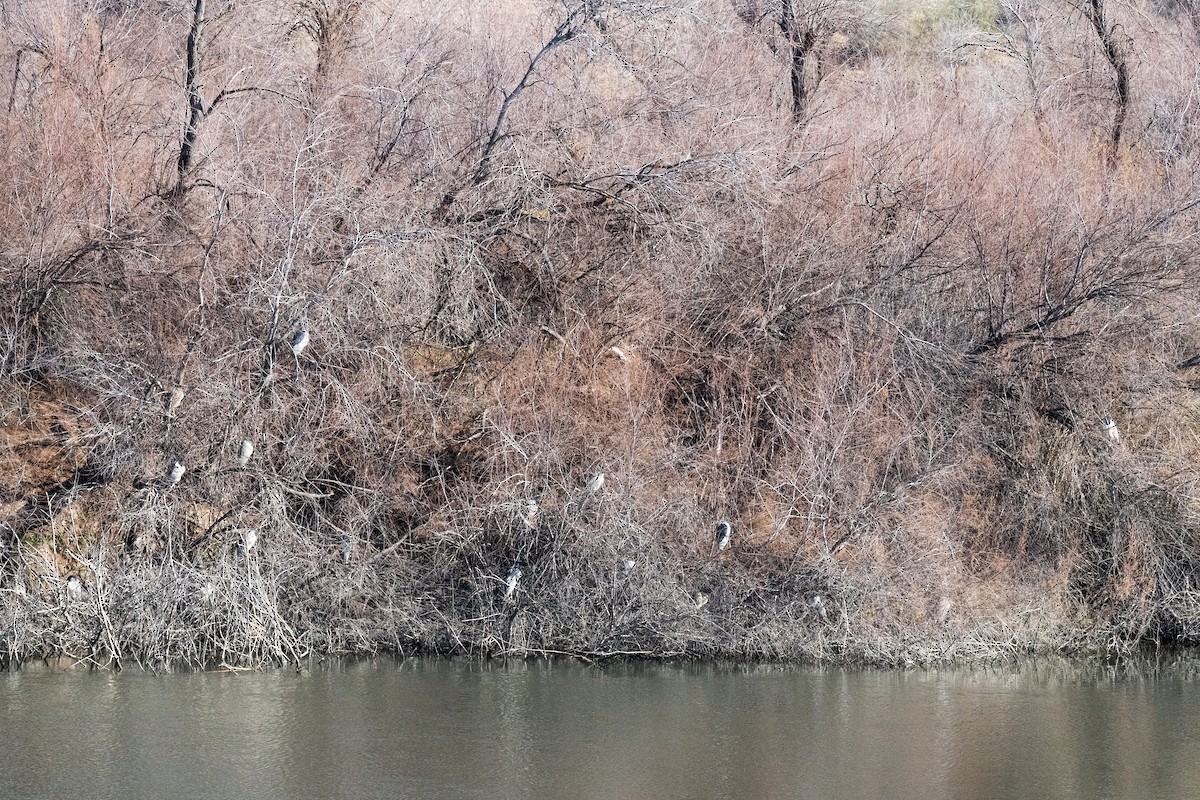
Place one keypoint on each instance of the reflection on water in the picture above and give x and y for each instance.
(436, 729)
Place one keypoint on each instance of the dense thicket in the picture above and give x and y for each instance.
(907, 293)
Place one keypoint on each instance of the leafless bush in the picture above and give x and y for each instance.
(930, 353)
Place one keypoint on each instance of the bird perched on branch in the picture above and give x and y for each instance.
(249, 539)
(701, 600)
(299, 341)
(74, 589)
(208, 593)
(511, 581)
(816, 604)
(175, 473)
(724, 535)
(244, 452)
(595, 482)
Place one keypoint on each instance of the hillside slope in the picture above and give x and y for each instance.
(910, 300)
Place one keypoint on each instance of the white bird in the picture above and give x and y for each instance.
(1110, 429)
(701, 600)
(627, 565)
(595, 482)
(74, 589)
(208, 593)
(175, 473)
(299, 341)
(619, 353)
(816, 604)
(510, 582)
(530, 515)
(249, 539)
(347, 550)
(174, 400)
(244, 452)
(724, 535)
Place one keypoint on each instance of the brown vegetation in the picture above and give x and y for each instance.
(865, 280)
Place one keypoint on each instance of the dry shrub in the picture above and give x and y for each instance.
(880, 343)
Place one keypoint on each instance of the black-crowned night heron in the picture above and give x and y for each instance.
(627, 566)
(511, 581)
(244, 452)
(1110, 429)
(347, 550)
(816, 604)
(724, 535)
(249, 539)
(175, 473)
(595, 482)
(74, 589)
(208, 594)
(700, 599)
(299, 341)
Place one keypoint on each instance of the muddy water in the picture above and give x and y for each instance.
(435, 729)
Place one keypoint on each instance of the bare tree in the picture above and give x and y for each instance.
(1112, 43)
(197, 110)
(805, 32)
(578, 17)
(331, 26)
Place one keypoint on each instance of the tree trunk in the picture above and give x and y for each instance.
(801, 39)
(191, 128)
(1116, 59)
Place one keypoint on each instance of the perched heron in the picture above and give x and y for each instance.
(627, 566)
(299, 341)
(1110, 429)
(249, 539)
(74, 589)
(595, 482)
(347, 550)
(208, 594)
(619, 353)
(816, 604)
(530, 514)
(701, 600)
(510, 582)
(724, 535)
(174, 400)
(244, 452)
(175, 473)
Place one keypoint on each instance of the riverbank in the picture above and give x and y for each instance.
(455, 331)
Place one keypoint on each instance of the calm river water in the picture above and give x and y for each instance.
(437, 729)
